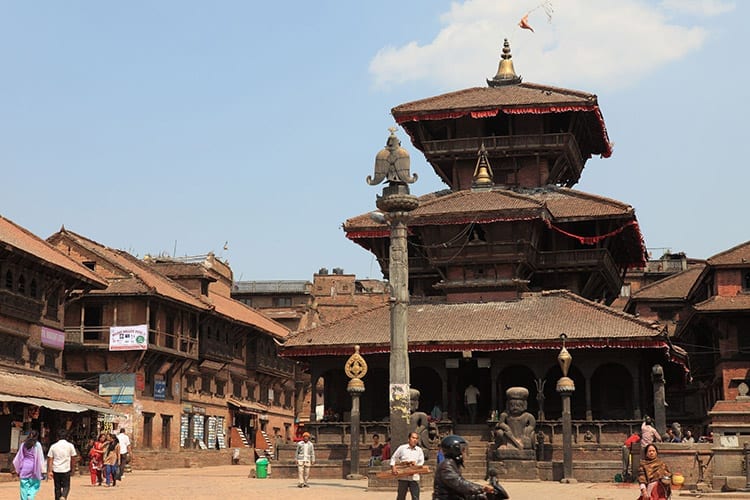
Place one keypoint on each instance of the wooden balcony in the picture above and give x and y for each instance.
(581, 260)
(98, 337)
(20, 306)
(506, 145)
(494, 253)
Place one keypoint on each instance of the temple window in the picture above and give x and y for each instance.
(22, 284)
(9, 280)
(746, 281)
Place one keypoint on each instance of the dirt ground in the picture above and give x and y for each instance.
(229, 482)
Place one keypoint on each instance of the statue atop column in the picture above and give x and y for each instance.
(515, 434)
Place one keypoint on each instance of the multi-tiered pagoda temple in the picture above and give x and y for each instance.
(504, 261)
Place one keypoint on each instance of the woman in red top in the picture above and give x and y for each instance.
(96, 460)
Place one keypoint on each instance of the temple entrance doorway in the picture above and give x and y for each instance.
(467, 371)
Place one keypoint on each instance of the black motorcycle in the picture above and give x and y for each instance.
(498, 494)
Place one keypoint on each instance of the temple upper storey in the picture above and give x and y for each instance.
(532, 135)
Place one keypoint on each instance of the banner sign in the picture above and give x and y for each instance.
(53, 338)
(116, 384)
(128, 338)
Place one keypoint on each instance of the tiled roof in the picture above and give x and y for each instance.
(21, 239)
(535, 321)
(561, 204)
(182, 269)
(476, 98)
(145, 277)
(238, 311)
(676, 286)
(142, 278)
(738, 255)
(720, 303)
(26, 385)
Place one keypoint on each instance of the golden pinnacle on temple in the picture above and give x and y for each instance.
(506, 74)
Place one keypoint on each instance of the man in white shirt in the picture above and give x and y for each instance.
(61, 459)
(124, 441)
(471, 395)
(305, 456)
(411, 454)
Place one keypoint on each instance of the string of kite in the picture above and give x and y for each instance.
(546, 6)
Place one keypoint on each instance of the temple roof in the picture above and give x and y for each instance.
(719, 303)
(674, 287)
(25, 242)
(736, 256)
(535, 321)
(478, 98)
(558, 203)
(518, 99)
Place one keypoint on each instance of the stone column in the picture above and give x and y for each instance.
(660, 413)
(637, 394)
(587, 390)
(392, 165)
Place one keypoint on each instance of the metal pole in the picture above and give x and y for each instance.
(354, 435)
(355, 368)
(566, 388)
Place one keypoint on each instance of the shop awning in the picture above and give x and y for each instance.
(55, 405)
(247, 406)
(52, 393)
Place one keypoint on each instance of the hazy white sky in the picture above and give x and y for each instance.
(176, 126)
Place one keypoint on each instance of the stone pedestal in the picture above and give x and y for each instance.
(515, 469)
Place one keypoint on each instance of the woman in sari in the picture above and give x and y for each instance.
(111, 460)
(29, 464)
(654, 476)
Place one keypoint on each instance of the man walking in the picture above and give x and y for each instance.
(408, 454)
(471, 395)
(61, 459)
(124, 441)
(305, 458)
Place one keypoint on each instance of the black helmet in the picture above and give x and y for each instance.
(453, 447)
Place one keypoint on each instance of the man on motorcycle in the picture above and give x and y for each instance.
(449, 484)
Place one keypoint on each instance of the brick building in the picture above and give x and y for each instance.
(707, 311)
(35, 281)
(207, 367)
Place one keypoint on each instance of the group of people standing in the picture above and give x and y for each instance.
(105, 456)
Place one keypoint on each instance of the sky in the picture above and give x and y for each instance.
(248, 128)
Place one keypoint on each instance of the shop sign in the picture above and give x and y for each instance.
(128, 338)
(53, 338)
(122, 400)
(160, 390)
(117, 384)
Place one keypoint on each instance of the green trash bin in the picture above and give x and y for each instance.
(261, 468)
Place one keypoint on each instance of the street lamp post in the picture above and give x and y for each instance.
(392, 164)
(566, 388)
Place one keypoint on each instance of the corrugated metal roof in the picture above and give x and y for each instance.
(275, 286)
